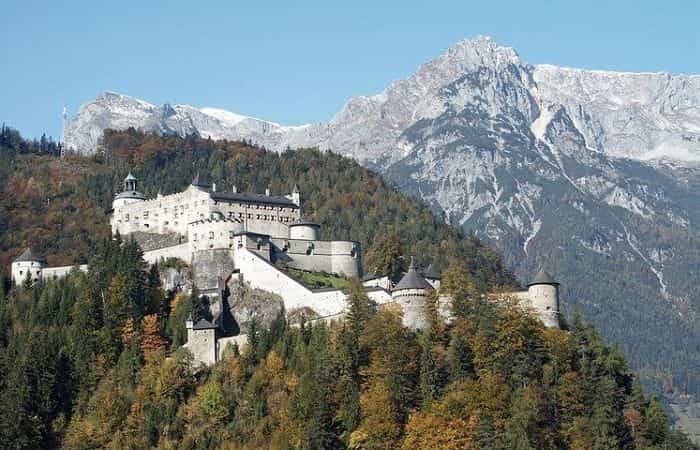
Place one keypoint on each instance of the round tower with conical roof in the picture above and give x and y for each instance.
(27, 265)
(543, 293)
(411, 293)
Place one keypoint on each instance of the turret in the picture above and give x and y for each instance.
(129, 194)
(27, 265)
(543, 292)
(304, 229)
(410, 293)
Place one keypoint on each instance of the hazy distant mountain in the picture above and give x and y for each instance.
(590, 174)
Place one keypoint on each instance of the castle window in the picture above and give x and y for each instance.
(126, 218)
(145, 214)
(231, 234)
(211, 235)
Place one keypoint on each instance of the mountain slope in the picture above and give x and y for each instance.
(551, 165)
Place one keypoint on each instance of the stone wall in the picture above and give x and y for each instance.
(213, 232)
(49, 273)
(338, 257)
(208, 265)
(182, 251)
(263, 275)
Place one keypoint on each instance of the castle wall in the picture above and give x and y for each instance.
(383, 282)
(163, 214)
(182, 251)
(213, 233)
(542, 300)
(338, 257)
(256, 243)
(306, 232)
(263, 275)
(21, 268)
(208, 265)
(379, 296)
(49, 273)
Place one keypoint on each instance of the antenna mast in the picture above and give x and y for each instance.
(63, 132)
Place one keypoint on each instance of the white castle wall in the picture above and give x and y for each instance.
(39, 272)
(163, 214)
(21, 268)
(182, 251)
(172, 214)
(49, 273)
(542, 300)
(339, 257)
(205, 234)
(306, 232)
(263, 275)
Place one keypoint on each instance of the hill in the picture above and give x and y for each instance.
(92, 361)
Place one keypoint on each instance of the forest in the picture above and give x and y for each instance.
(94, 360)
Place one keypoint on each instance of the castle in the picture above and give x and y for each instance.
(236, 237)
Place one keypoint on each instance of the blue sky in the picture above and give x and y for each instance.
(298, 62)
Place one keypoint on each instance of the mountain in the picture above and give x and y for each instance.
(590, 174)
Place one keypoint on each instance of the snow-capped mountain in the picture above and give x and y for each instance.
(575, 170)
(117, 111)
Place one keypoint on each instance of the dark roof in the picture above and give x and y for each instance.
(374, 289)
(130, 194)
(370, 276)
(204, 324)
(542, 277)
(412, 280)
(432, 273)
(304, 222)
(249, 197)
(28, 255)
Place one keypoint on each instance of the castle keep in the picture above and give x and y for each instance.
(231, 238)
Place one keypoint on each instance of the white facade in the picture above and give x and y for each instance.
(23, 269)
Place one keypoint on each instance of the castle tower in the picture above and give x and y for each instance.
(543, 292)
(201, 341)
(411, 293)
(129, 194)
(304, 229)
(28, 264)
